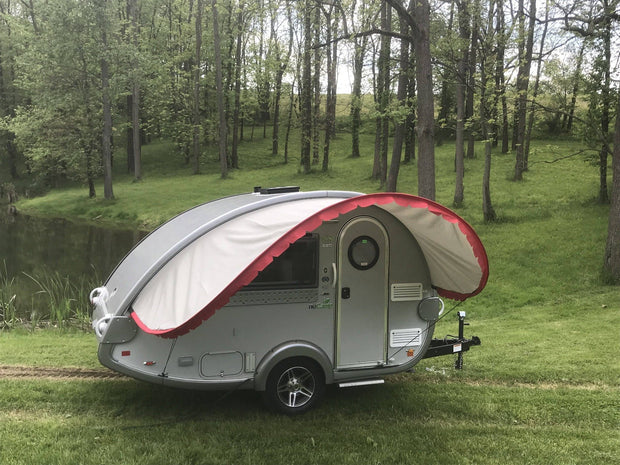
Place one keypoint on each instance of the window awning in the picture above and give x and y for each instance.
(202, 277)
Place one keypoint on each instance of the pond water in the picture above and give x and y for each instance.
(31, 245)
(41, 248)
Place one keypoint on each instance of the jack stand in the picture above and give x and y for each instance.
(459, 358)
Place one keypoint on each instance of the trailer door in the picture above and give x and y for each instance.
(362, 294)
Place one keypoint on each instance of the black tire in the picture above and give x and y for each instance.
(294, 386)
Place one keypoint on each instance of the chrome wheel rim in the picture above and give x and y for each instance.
(296, 387)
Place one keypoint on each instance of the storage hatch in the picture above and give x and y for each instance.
(221, 364)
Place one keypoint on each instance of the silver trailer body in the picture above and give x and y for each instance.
(350, 300)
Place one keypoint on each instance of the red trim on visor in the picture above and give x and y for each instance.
(312, 223)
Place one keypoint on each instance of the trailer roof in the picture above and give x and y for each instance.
(204, 266)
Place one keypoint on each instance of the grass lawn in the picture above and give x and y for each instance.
(543, 388)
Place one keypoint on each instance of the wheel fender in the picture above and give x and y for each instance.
(287, 350)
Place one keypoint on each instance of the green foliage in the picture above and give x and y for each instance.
(59, 132)
(8, 310)
(52, 299)
(555, 96)
(52, 146)
(65, 299)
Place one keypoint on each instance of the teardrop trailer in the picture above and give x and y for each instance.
(283, 292)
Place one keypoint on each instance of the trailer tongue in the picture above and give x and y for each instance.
(451, 345)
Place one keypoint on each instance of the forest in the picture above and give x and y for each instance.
(78, 77)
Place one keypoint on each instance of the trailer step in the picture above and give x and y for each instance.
(365, 382)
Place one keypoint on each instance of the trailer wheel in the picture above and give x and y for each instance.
(294, 386)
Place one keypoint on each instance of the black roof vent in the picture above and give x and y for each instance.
(277, 190)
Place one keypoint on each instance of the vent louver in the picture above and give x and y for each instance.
(405, 337)
(406, 291)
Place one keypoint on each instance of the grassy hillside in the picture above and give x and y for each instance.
(543, 388)
(168, 187)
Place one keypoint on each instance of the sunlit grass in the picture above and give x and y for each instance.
(168, 187)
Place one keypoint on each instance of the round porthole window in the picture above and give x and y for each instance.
(363, 252)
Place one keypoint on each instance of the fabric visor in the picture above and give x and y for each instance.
(201, 278)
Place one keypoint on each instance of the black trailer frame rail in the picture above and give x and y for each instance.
(453, 345)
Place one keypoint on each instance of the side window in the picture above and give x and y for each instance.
(363, 253)
(296, 268)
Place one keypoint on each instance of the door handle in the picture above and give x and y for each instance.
(335, 276)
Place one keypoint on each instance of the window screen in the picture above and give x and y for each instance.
(297, 267)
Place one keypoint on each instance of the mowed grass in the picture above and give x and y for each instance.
(543, 388)
(410, 420)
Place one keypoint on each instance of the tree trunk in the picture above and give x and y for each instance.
(316, 85)
(289, 120)
(532, 111)
(219, 84)
(275, 138)
(234, 156)
(136, 139)
(356, 98)
(196, 103)
(330, 110)
(501, 131)
(603, 195)
(108, 192)
(13, 154)
(376, 163)
(471, 81)
(426, 110)
(383, 98)
(8, 101)
(612, 247)
(130, 158)
(377, 86)
(399, 131)
(132, 10)
(567, 122)
(283, 64)
(306, 90)
(488, 211)
(33, 18)
(333, 80)
(262, 80)
(90, 177)
(523, 79)
(446, 95)
(410, 139)
(461, 92)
